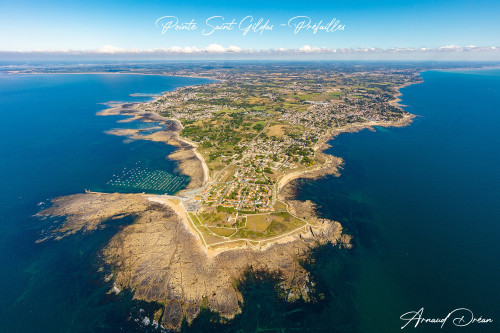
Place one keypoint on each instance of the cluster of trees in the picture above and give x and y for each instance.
(258, 127)
(229, 210)
(296, 150)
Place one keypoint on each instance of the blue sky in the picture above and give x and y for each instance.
(81, 25)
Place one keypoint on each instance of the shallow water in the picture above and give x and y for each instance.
(420, 201)
(54, 144)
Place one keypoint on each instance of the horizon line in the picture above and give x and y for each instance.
(219, 49)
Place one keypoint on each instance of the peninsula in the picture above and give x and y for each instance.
(241, 140)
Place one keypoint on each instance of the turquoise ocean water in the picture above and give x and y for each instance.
(54, 144)
(422, 203)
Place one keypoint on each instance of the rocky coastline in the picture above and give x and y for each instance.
(161, 259)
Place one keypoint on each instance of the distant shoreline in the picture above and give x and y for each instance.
(465, 69)
(110, 73)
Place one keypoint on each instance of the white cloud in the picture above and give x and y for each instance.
(189, 49)
(109, 49)
(175, 49)
(232, 49)
(305, 48)
(215, 48)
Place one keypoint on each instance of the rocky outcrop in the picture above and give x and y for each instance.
(161, 260)
(86, 212)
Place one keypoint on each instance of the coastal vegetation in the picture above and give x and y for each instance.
(241, 141)
(259, 124)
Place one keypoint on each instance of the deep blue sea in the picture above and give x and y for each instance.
(54, 144)
(422, 203)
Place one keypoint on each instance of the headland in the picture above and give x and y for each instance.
(242, 141)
